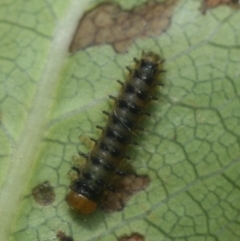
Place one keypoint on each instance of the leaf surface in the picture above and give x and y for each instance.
(191, 149)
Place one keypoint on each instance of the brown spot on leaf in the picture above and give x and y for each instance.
(133, 237)
(63, 237)
(207, 4)
(125, 187)
(44, 194)
(108, 23)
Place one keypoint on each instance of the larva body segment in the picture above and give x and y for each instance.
(109, 150)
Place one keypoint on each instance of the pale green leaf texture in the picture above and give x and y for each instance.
(49, 98)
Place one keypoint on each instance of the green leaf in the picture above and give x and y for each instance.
(191, 150)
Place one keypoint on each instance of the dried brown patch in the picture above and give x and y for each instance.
(108, 23)
(133, 237)
(126, 187)
(44, 194)
(207, 4)
(63, 237)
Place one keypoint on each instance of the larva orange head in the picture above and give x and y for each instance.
(80, 203)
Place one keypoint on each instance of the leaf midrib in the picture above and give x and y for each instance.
(23, 156)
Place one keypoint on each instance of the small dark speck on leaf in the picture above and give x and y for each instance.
(63, 237)
(44, 194)
(132, 237)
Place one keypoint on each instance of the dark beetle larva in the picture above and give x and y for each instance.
(109, 151)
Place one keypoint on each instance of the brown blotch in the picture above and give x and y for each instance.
(208, 4)
(133, 237)
(108, 23)
(125, 187)
(63, 237)
(44, 194)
